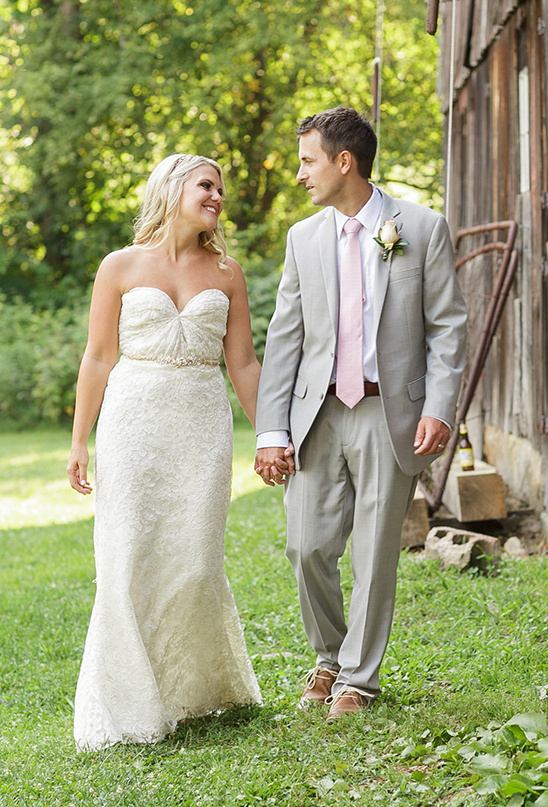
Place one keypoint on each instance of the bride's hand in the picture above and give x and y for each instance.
(77, 469)
(287, 465)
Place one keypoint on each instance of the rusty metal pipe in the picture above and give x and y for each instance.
(490, 323)
(501, 289)
(432, 17)
(493, 247)
(505, 291)
(507, 224)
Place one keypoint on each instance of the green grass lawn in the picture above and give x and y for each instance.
(467, 654)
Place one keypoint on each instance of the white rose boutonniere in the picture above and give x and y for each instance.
(390, 240)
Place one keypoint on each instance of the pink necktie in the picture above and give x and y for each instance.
(350, 382)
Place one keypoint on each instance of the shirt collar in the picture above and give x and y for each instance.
(368, 216)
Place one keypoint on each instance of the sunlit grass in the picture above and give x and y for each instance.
(465, 650)
(34, 490)
(244, 480)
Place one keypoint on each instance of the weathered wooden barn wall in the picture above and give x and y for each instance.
(498, 171)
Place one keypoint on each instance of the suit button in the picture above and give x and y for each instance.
(322, 397)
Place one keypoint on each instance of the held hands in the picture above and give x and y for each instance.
(431, 436)
(275, 464)
(77, 471)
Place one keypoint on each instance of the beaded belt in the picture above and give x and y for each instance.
(177, 361)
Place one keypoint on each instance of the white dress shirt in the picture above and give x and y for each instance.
(369, 217)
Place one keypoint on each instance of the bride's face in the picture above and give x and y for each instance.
(202, 198)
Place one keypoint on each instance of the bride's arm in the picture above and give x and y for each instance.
(98, 360)
(240, 359)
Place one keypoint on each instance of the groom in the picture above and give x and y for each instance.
(361, 372)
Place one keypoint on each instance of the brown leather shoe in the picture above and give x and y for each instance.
(346, 702)
(318, 686)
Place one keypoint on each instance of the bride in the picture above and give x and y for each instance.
(164, 640)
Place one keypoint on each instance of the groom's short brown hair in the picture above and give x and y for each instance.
(344, 129)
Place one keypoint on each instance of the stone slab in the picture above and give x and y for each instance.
(461, 549)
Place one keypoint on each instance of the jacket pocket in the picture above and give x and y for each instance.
(405, 273)
(416, 389)
(301, 387)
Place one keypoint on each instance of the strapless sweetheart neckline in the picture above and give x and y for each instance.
(171, 300)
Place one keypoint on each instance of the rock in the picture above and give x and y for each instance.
(515, 548)
(461, 548)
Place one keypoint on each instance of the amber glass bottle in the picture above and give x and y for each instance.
(466, 454)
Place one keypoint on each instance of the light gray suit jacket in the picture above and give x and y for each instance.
(420, 320)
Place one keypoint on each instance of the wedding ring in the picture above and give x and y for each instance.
(440, 445)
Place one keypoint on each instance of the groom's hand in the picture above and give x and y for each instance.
(274, 464)
(431, 437)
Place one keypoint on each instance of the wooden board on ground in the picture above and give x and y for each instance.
(416, 525)
(476, 495)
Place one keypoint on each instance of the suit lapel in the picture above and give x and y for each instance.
(390, 210)
(328, 260)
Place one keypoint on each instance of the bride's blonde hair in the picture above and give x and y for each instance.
(161, 204)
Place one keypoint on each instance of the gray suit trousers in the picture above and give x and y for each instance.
(349, 482)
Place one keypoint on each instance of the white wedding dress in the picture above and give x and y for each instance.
(165, 640)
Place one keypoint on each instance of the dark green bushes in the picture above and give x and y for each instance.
(41, 349)
(40, 352)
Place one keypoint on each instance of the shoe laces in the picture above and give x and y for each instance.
(348, 693)
(312, 676)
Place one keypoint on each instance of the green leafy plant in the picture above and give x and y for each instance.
(508, 761)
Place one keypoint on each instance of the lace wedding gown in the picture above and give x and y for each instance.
(164, 640)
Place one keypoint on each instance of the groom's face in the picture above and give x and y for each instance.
(321, 177)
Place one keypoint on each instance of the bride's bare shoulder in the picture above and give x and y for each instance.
(122, 257)
(119, 266)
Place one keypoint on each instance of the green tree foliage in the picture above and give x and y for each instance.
(39, 355)
(94, 92)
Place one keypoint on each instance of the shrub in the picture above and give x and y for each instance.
(59, 352)
(262, 300)
(39, 357)
(40, 351)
